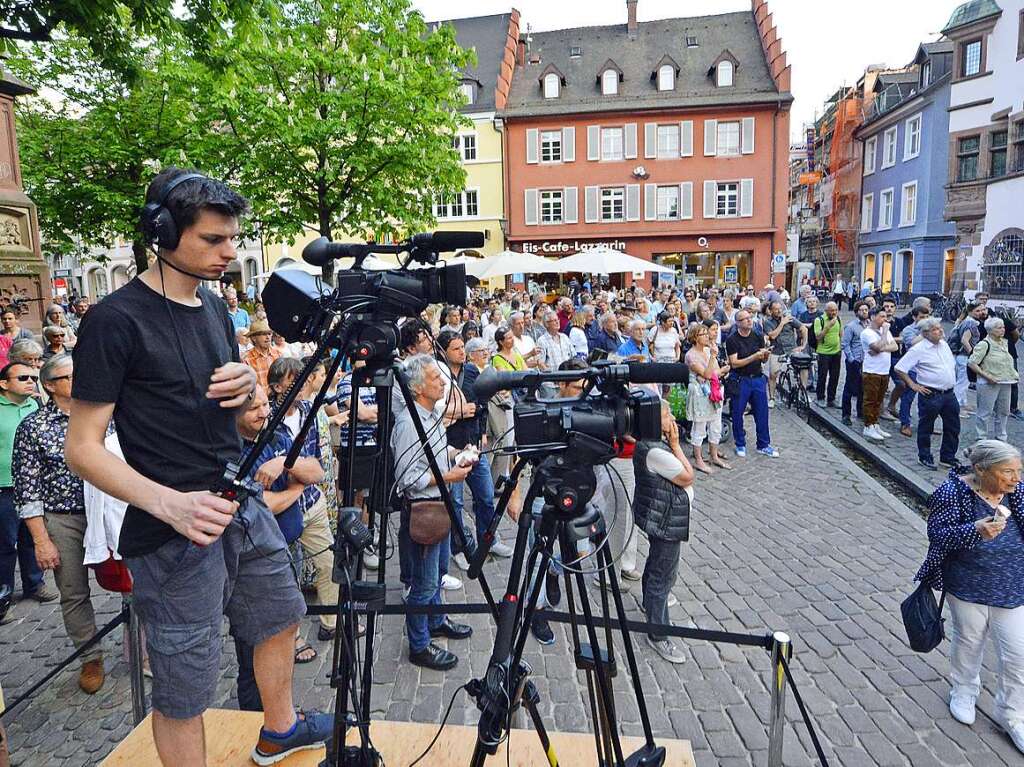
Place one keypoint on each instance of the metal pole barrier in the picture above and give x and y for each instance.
(134, 640)
(781, 648)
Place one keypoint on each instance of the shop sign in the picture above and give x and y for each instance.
(730, 274)
(569, 246)
(807, 179)
(778, 263)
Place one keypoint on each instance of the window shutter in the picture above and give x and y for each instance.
(632, 202)
(650, 202)
(746, 197)
(686, 138)
(590, 204)
(650, 140)
(710, 199)
(530, 216)
(593, 142)
(686, 199)
(710, 138)
(569, 207)
(568, 145)
(532, 142)
(747, 136)
(629, 141)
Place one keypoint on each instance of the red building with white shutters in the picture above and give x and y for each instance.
(666, 139)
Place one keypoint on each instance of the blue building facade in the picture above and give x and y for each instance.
(903, 241)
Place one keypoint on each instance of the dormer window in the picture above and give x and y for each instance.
(468, 91)
(691, 41)
(666, 78)
(724, 74)
(723, 69)
(926, 74)
(575, 52)
(551, 86)
(610, 82)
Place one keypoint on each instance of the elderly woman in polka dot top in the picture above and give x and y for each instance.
(976, 554)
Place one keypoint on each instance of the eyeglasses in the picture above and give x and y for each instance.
(57, 335)
(24, 378)
(61, 378)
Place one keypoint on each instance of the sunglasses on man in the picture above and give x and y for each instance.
(24, 378)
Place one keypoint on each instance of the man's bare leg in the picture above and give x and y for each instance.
(180, 742)
(274, 661)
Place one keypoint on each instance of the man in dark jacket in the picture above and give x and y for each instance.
(661, 506)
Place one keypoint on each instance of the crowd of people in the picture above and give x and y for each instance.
(62, 472)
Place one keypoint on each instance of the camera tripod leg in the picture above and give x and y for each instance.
(604, 684)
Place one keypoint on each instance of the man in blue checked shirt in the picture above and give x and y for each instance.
(853, 357)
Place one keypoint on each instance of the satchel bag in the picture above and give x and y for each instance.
(429, 522)
(923, 620)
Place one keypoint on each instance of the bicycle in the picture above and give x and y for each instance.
(948, 307)
(789, 387)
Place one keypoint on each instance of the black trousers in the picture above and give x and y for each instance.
(1014, 392)
(828, 369)
(938, 405)
(852, 389)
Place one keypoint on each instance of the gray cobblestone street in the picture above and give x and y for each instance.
(808, 543)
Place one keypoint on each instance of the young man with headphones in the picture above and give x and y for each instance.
(160, 355)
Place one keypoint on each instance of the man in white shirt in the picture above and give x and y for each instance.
(878, 345)
(522, 341)
(934, 366)
(555, 347)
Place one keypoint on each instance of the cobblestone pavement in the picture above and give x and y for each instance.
(806, 543)
(903, 450)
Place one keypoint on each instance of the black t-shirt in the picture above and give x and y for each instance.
(744, 347)
(128, 353)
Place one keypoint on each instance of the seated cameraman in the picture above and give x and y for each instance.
(416, 482)
(661, 506)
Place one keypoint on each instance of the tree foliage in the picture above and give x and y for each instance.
(340, 114)
(91, 139)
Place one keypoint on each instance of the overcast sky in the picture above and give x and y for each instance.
(827, 43)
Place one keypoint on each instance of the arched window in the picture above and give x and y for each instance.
(666, 78)
(724, 74)
(1003, 267)
(610, 82)
(551, 86)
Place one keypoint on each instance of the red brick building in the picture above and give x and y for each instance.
(666, 139)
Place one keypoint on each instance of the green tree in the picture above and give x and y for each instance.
(341, 115)
(91, 139)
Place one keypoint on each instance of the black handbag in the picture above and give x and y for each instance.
(922, 619)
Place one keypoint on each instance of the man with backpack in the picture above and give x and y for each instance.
(961, 340)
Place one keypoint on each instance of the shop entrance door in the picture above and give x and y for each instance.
(886, 272)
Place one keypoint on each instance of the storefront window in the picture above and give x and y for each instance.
(1004, 264)
(709, 268)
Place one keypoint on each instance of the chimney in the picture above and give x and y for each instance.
(520, 52)
(631, 16)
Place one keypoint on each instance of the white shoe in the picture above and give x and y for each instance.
(962, 708)
(460, 560)
(668, 650)
(870, 433)
(502, 550)
(450, 582)
(881, 432)
(771, 403)
(1016, 733)
(370, 560)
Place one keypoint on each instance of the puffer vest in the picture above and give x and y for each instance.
(661, 509)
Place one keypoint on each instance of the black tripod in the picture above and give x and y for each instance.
(566, 488)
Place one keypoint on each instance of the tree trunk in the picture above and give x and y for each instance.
(324, 216)
(141, 254)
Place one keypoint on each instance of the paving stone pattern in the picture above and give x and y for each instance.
(806, 543)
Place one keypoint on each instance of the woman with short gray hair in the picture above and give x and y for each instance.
(993, 364)
(27, 353)
(55, 316)
(976, 556)
(56, 340)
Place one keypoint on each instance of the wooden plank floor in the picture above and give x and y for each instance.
(230, 736)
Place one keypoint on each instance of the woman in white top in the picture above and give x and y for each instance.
(492, 322)
(664, 340)
(578, 336)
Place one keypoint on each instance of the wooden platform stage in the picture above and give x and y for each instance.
(230, 736)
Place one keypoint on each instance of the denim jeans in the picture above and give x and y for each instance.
(753, 389)
(906, 400)
(426, 590)
(659, 578)
(939, 405)
(405, 554)
(852, 389)
(16, 547)
(482, 487)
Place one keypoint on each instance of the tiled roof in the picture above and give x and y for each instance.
(638, 56)
(487, 35)
(970, 12)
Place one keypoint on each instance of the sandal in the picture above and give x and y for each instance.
(721, 462)
(305, 647)
(704, 468)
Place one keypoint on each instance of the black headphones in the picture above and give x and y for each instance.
(158, 224)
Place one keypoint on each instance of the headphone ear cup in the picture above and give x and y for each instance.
(166, 230)
(150, 211)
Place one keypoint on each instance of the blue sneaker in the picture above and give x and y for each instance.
(312, 730)
(741, 452)
(769, 451)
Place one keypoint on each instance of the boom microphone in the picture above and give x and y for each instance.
(442, 242)
(492, 381)
(322, 251)
(658, 372)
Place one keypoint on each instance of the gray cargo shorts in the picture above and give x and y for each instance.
(182, 591)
